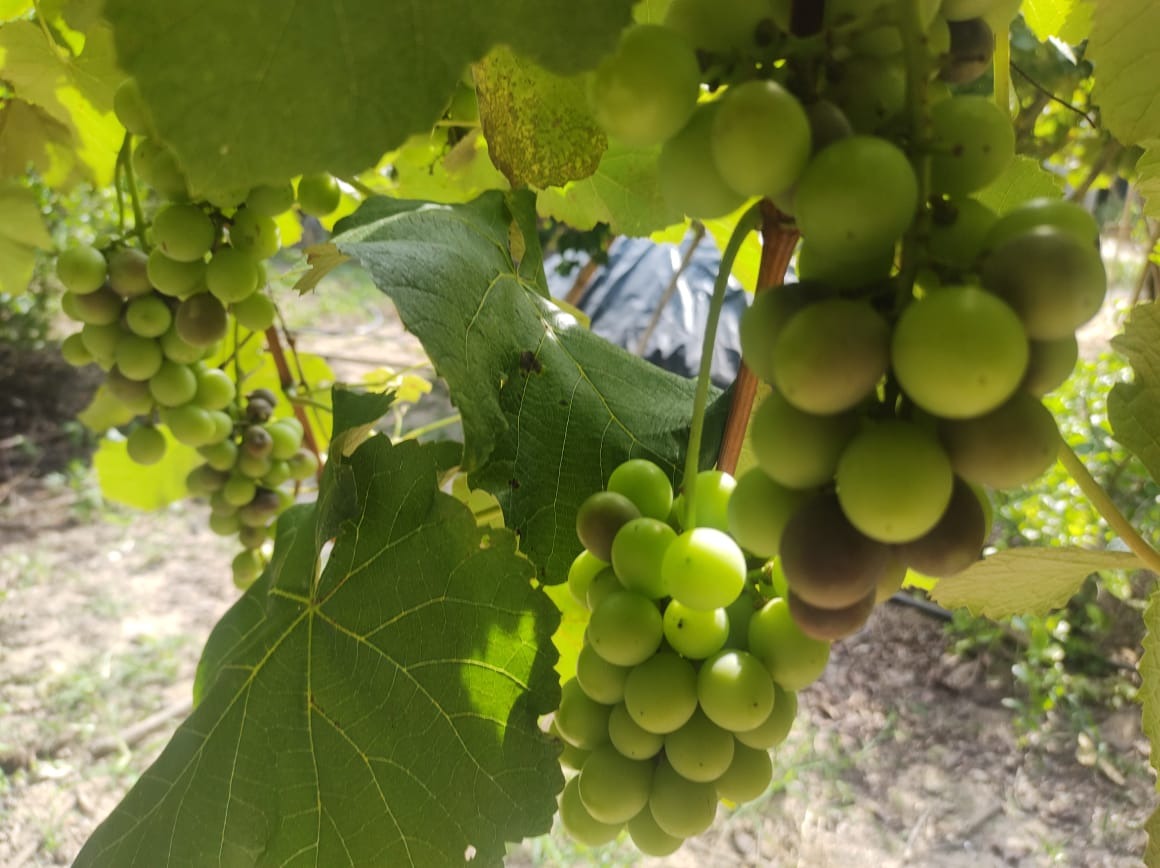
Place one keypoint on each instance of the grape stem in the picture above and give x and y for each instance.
(778, 239)
(917, 75)
(274, 342)
(749, 221)
(1002, 61)
(1106, 508)
(125, 163)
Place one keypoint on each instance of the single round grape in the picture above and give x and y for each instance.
(303, 464)
(133, 394)
(603, 583)
(637, 553)
(891, 581)
(681, 808)
(870, 91)
(969, 52)
(687, 174)
(318, 195)
(646, 485)
(735, 690)
(714, 488)
(831, 624)
(254, 466)
(694, 633)
(661, 693)
(700, 750)
(953, 544)
(270, 200)
(1067, 216)
(148, 316)
(146, 445)
(257, 441)
(138, 358)
(157, 167)
(173, 385)
(203, 480)
(797, 449)
(238, 490)
(183, 232)
(740, 611)
(718, 26)
(828, 124)
(254, 234)
(279, 473)
(764, 319)
(629, 738)
(579, 823)
(583, 570)
(599, 519)
(748, 776)
(177, 350)
(173, 278)
(830, 356)
(255, 312)
(224, 524)
(252, 537)
(571, 757)
(761, 138)
(626, 628)
(1007, 447)
(74, 351)
(704, 569)
(102, 307)
(644, 92)
(958, 232)
(201, 320)
(894, 481)
(972, 142)
(220, 456)
(223, 425)
(247, 566)
(650, 838)
(129, 272)
(190, 424)
(130, 109)
(260, 511)
(599, 679)
(286, 438)
(773, 730)
(856, 197)
(1049, 365)
(215, 390)
(101, 341)
(581, 721)
(758, 512)
(843, 273)
(613, 787)
(793, 659)
(82, 269)
(231, 275)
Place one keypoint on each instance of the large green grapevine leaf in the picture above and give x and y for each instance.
(377, 705)
(30, 136)
(1134, 408)
(22, 233)
(539, 130)
(347, 82)
(1126, 55)
(1023, 179)
(1026, 581)
(1046, 17)
(548, 408)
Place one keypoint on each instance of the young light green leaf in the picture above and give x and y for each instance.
(124, 481)
(1023, 179)
(377, 706)
(1046, 17)
(354, 79)
(1134, 408)
(1126, 55)
(22, 233)
(1026, 581)
(30, 136)
(539, 130)
(429, 167)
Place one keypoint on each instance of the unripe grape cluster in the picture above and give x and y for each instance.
(687, 677)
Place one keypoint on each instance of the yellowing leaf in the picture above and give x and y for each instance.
(1125, 52)
(22, 233)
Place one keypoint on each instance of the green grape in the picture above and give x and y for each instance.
(894, 481)
(303, 464)
(148, 316)
(254, 466)
(969, 51)
(959, 352)
(637, 552)
(796, 449)
(613, 787)
(254, 234)
(740, 612)
(102, 307)
(223, 426)
(203, 480)
(830, 356)
(177, 350)
(831, 624)
(870, 91)
(579, 823)
(693, 633)
(138, 358)
(748, 776)
(190, 424)
(700, 750)
(599, 679)
(793, 659)
(247, 567)
(625, 628)
(680, 807)
(156, 166)
(972, 142)
(953, 544)
(719, 26)
(646, 485)
(1054, 282)
(133, 394)
(82, 269)
(101, 341)
(774, 729)
(630, 739)
(1067, 216)
(252, 537)
(1049, 365)
(582, 721)
(856, 197)
(231, 275)
(828, 124)
(130, 109)
(599, 519)
(129, 273)
(585, 567)
(173, 278)
(183, 232)
(223, 524)
(1007, 447)
(764, 319)
(257, 441)
(687, 173)
(602, 584)
(650, 838)
(735, 690)
(571, 757)
(255, 312)
(260, 511)
(644, 92)
(758, 512)
(714, 489)
(958, 230)
(760, 138)
(285, 437)
(146, 445)
(74, 351)
(221, 455)
(891, 581)
(173, 385)
(704, 569)
(201, 320)
(318, 195)
(216, 391)
(279, 473)
(270, 200)
(661, 693)
(841, 273)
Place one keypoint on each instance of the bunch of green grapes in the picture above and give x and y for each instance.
(687, 677)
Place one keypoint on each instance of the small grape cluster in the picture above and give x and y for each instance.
(686, 678)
